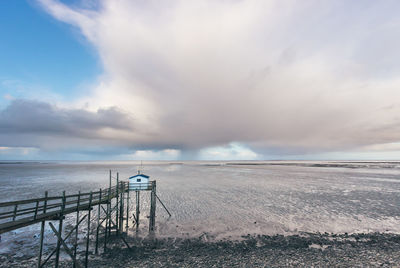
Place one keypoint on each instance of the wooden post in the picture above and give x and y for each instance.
(152, 207)
(106, 234)
(98, 222)
(36, 209)
(127, 208)
(163, 206)
(42, 231)
(77, 225)
(60, 225)
(88, 230)
(117, 205)
(137, 210)
(109, 210)
(121, 207)
(15, 212)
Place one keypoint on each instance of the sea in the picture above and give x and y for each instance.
(217, 200)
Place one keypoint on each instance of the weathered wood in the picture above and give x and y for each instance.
(88, 233)
(77, 225)
(42, 232)
(121, 208)
(163, 205)
(53, 215)
(15, 212)
(106, 233)
(60, 225)
(152, 207)
(65, 238)
(31, 210)
(127, 208)
(36, 209)
(137, 210)
(126, 243)
(117, 214)
(40, 210)
(58, 234)
(33, 200)
(98, 224)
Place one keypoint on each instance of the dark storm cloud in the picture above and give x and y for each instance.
(26, 117)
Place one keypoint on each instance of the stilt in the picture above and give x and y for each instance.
(42, 231)
(152, 207)
(163, 206)
(127, 209)
(137, 210)
(121, 208)
(98, 223)
(109, 208)
(60, 225)
(43, 211)
(77, 223)
(117, 206)
(88, 230)
(108, 217)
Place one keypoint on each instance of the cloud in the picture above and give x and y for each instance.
(285, 77)
(8, 97)
(41, 124)
(167, 154)
(233, 151)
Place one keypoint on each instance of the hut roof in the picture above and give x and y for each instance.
(140, 175)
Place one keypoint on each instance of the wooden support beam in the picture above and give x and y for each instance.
(107, 215)
(109, 208)
(116, 215)
(60, 225)
(127, 208)
(88, 232)
(15, 212)
(36, 209)
(98, 223)
(137, 210)
(65, 238)
(64, 245)
(121, 208)
(77, 224)
(42, 232)
(163, 205)
(153, 201)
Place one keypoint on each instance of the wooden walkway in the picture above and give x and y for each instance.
(112, 203)
(22, 213)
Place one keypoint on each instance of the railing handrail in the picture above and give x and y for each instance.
(30, 210)
(49, 198)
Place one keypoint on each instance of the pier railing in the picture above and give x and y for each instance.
(21, 213)
(112, 205)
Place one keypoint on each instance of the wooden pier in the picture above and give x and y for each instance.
(112, 205)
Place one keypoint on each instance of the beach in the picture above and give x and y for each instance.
(304, 250)
(227, 214)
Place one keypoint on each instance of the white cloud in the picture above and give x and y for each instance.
(299, 76)
(8, 97)
(233, 151)
(17, 152)
(167, 154)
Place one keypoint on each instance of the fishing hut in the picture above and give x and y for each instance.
(103, 212)
(141, 182)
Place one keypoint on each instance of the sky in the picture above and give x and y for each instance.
(199, 80)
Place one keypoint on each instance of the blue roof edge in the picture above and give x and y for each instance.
(140, 175)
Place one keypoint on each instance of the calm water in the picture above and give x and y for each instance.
(223, 200)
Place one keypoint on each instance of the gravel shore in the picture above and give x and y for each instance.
(303, 250)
